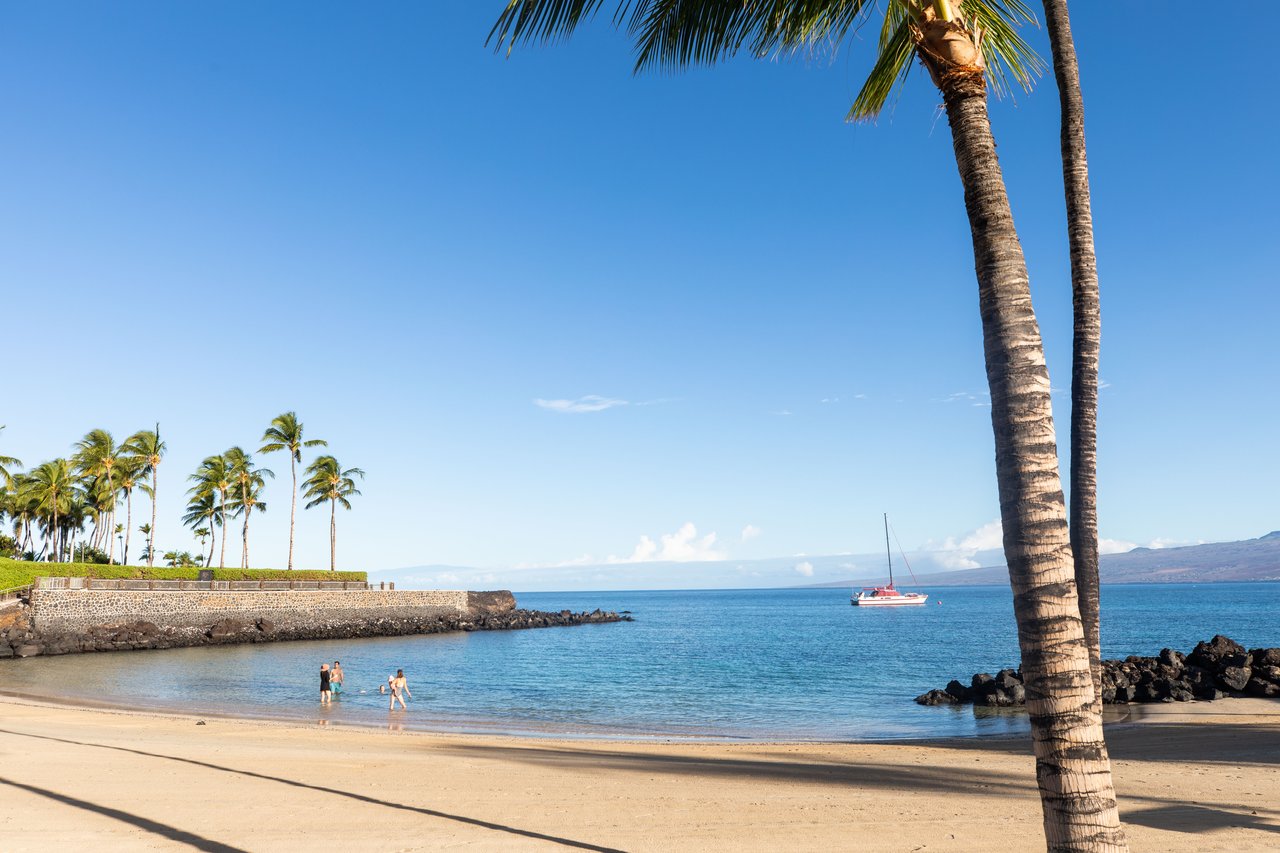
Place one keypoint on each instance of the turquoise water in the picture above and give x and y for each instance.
(764, 664)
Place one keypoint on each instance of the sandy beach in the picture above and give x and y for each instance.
(1190, 778)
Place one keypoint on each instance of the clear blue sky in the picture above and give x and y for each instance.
(215, 212)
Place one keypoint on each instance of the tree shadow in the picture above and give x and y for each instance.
(171, 832)
(1192, 819)
(484, 824)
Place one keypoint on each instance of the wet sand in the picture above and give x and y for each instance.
(1191, 778)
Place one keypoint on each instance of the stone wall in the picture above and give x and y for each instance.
(56, 611)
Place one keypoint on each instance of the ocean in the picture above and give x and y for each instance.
(717, 664)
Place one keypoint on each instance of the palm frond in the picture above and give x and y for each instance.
(893, 64)
(1010, 60)
(541, 20)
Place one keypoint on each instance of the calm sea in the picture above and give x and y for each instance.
(762, 664)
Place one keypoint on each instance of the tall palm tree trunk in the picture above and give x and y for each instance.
(1072, 766)
(1088, 331)
(244, 529)
(222, 556)
(151, 551)
(293, 505)
(111, 520)
(333, 535)
(128, 525)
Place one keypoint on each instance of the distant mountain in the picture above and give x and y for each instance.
(1214, 562)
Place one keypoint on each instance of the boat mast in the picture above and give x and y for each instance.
(888, 553)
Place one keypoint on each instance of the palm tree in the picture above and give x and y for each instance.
(214, 477)
(146, 444)
(1086, 344)
(285, 433)
(250, 481)
(96, 455)
(966, 47)
(202, 509)
(51, 486)
(201, 533)
(327, 481)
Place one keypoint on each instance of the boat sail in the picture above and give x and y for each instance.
(886, 596)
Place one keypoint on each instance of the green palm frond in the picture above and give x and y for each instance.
(673, 34)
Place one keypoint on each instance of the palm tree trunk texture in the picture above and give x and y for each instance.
(1072, 765)
(333, 535)
(1088, 331)
(293, 505)
(151, 551)
(246, 537)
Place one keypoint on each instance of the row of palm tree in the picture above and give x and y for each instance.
(968, 47)
(232, 483)
(51, 503)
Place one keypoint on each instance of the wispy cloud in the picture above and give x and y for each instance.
(829, 400)
(750, 532)
(589, 403)
(783, 412)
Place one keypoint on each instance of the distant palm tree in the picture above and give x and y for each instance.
(96, 456)
(285, 433)
(51, 486)
(215, 477)
(327, 481)
(147, 445)
(145, 530)
(202, 508)
(250, 481)
(201, 533)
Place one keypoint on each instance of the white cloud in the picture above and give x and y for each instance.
(683, 546)
(1114, 546)
(783, 412)
(830, 400)
(750, 532)
(859, 396)
(805, 569)
(960, 555)
(589, 403)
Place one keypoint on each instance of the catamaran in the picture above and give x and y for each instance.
(887, 596)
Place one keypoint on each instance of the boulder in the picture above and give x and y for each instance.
(1210, 654)
(1234, 677)
(1173, 658)
(1266, 657)
(936, 697)
(28, 650)
(1258, 687)
(1179, 694)
(959, 691)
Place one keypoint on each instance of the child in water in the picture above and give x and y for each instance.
(335, 678)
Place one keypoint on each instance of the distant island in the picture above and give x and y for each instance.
(1214, 562)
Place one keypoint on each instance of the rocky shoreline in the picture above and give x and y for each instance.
(18, 638)
(1215, 669)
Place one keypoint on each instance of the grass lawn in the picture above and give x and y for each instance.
(20, 573)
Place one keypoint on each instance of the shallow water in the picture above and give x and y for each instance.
(759, 664)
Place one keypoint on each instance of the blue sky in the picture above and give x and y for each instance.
(213, 213)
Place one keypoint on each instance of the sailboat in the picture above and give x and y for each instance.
(887, 596)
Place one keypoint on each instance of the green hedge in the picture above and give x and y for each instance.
(20, 573)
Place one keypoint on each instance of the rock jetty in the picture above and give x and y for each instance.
(1215, 669)
(18, 638)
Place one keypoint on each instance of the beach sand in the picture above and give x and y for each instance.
(1190, 778)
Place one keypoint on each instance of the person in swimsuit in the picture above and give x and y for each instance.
(335, 678)
(399, 689)
(325, 695)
